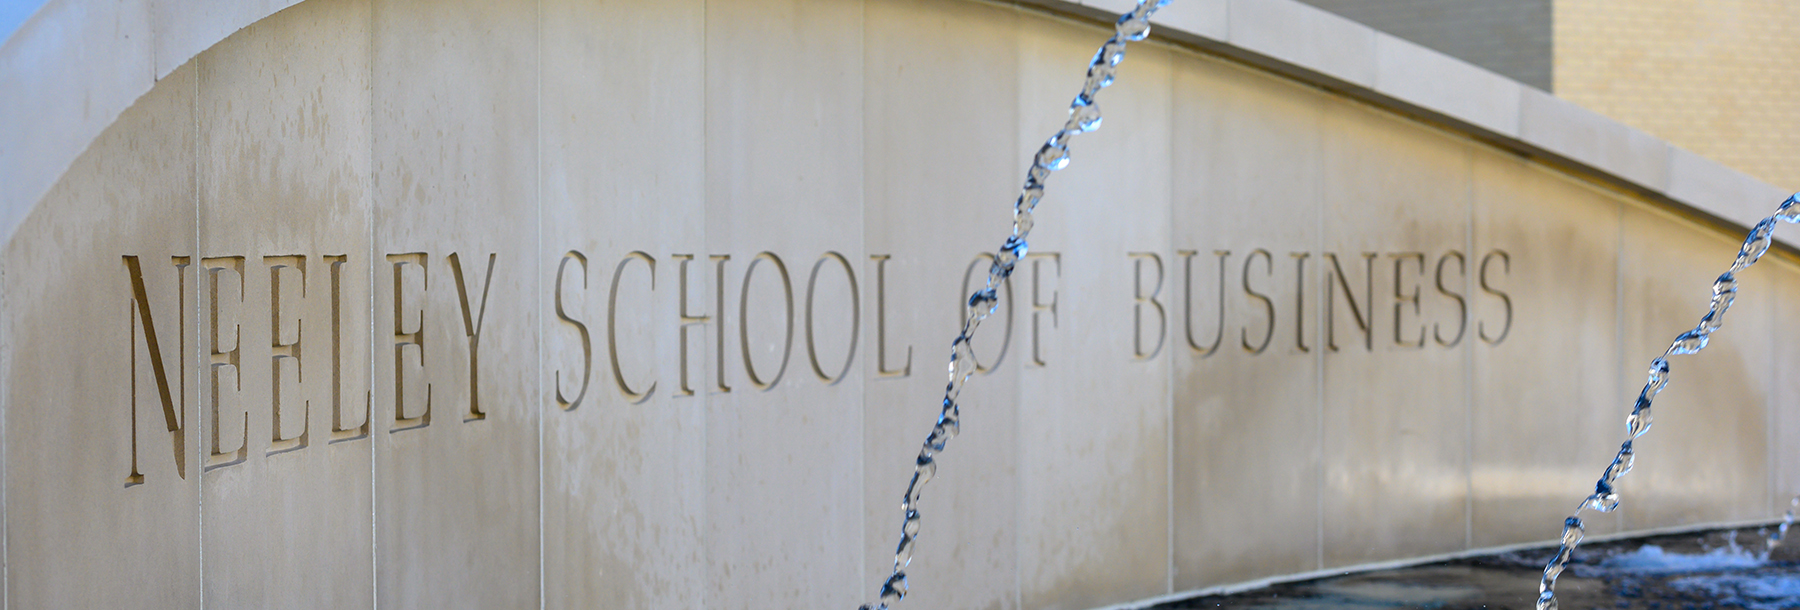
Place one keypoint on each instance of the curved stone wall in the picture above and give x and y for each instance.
(428, 304)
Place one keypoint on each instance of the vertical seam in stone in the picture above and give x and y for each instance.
(1018, 40)
(199, 472)
(1468, 375)
(1169, 366)
(862, 455)
(700, 532)
(1619, 522)
(1770, 438)
(374, 199)
(539, 401)
(1318, 197)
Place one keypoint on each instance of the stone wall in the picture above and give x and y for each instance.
(421, 304)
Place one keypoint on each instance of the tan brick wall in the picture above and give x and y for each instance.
(1718, 77)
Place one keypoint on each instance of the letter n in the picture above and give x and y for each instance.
(1363, 316)
(143, 318)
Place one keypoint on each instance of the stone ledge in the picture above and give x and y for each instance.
(1375, 67)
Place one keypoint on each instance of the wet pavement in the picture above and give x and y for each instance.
(1713, 570)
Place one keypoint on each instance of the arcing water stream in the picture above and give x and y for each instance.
(1084, 116)
(1606, 497)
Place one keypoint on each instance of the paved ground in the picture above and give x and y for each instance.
(1715, 570)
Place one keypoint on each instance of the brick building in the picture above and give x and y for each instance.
(1718, 77)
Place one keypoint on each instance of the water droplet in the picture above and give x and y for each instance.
(947, 428)
(1013, 249)
(1659, 377)
(1099, 76)
(1029, 196)
(996, 275)
(1605, 503)
(1052, 157)
(1726, 283)
(1638, 422)
(925, 469)
(1690, 342)
(1112, 52)
(904, 552)
(983, 297)
(894, 589)
(1627, 458)
(1083, 118)
(1789, 210)
(1547, 601)
(1023, 222)
(1572, 532)
(911, 528)
(1711, 322)
(1755, 244)
(1133, 27)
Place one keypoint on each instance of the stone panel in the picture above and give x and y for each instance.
(102, 461)
(1096, 410)
(939, 185)
(1705, 458)
(1784, 422)
(1245, 332)
(784, 176)
(628, 366)
(1546, 419)
(284, 206)
(1395, 398)
(456, 308)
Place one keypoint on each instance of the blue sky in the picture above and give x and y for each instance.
(13, 13)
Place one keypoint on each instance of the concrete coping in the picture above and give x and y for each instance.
(76, 65)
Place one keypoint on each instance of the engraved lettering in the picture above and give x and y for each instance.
(587, 345)
(1187, 299)
(787, 288)
(404, 339)
(1300, 300)
(172, 410)
(1401, 298)
(1462, 306)
(1141, 301)
(689, 322)
(984, 261)
(285, 355)
(719, 333)
(1268, 304)
(881, 368)
(1506, 300)
(472, 329)
(612, 326)
(220, 359)
(339, 432)
(1363, 322)
(1038, 306)
(812, 351)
